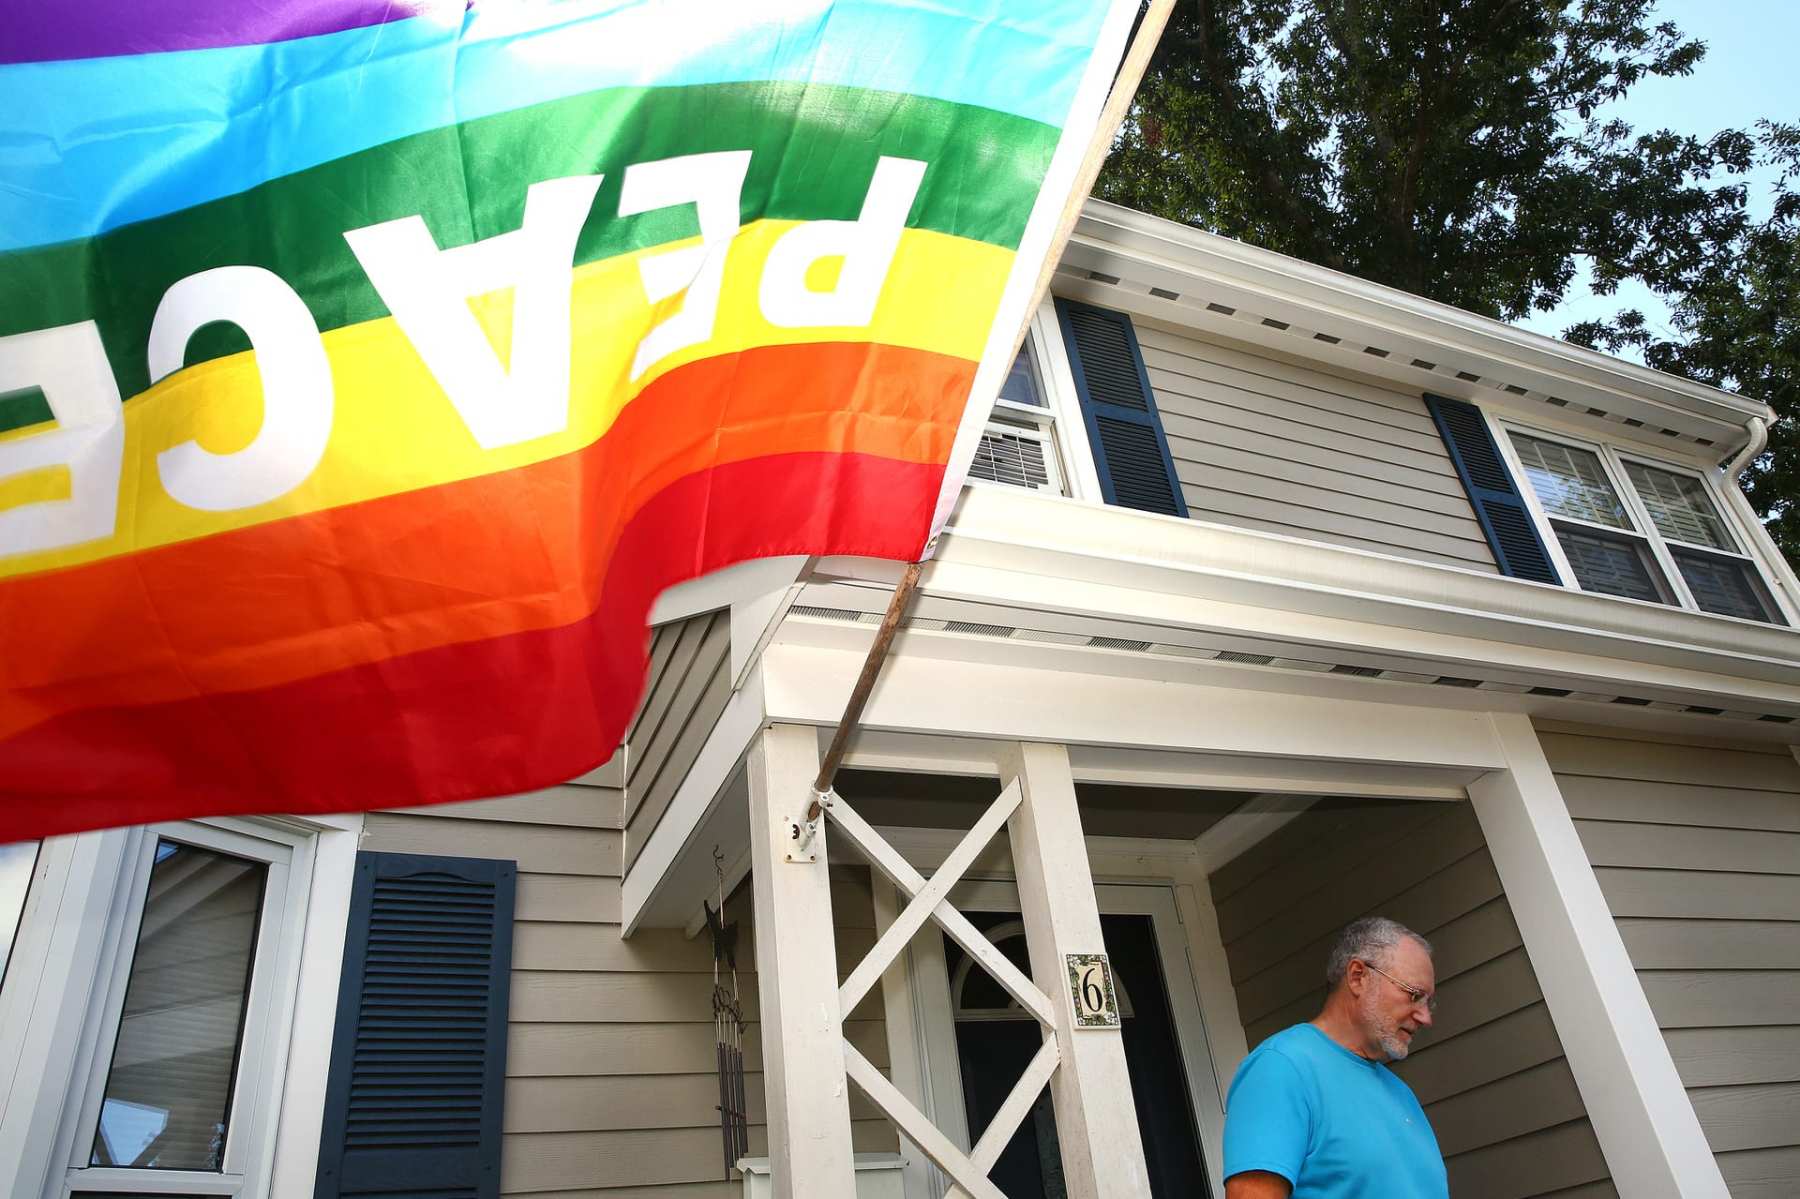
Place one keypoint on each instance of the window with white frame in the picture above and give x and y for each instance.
(1644, 530)
(177, 1096)
(1019, 448)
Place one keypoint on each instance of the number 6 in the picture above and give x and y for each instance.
(1091, 994)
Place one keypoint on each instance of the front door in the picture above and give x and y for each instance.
(995, 1040)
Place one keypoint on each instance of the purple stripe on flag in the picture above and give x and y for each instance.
(45, 31)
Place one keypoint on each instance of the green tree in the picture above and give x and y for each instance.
(1454, 148)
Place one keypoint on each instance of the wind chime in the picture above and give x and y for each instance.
(728, 1028)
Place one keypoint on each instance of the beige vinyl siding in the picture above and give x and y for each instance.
(1697, 849)
(690, 683)
(1490, 1072)
(611, 1081)
(1267, 444)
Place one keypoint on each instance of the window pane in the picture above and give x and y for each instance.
(16, 862)
(168, 1097)
(1611, 565)
(1728, 586)
(1679, 506)
(1022, 386)
(1570, 482)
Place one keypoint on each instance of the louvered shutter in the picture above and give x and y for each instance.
(1500, 509)
(1131, 455)
(418, 1058)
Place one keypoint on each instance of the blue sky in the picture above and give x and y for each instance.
(1750, 71)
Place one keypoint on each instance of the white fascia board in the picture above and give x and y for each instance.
(735, 584)
(1107, 233)
(1009, 703)
(1113, 562)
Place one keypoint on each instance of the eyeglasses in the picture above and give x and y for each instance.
(1412, 993)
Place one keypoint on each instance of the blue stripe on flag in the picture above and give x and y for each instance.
(87, 145)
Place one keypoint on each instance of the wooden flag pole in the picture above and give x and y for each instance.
(1125, 85)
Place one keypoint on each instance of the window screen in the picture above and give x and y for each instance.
(1726, 586)
(1611, 565)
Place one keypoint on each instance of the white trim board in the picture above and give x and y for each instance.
(1110, 562)
(917, 694)
(1640, 1112)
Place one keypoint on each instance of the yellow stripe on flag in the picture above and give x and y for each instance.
(394, 430)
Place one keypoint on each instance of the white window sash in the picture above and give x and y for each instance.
(250, 1102)
(1081, 479)
(1661, 548)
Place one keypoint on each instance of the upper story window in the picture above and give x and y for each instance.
(1645, 530)
(1019, 447)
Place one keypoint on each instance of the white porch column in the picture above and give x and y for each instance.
(1096, 1121)
(796, 977)
(1640, 1112)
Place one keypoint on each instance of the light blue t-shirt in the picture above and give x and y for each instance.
(1335, 1125)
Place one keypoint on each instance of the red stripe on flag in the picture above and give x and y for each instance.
(498, 716)
(502, 553)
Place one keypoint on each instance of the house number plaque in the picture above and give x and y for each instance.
(1091, 985)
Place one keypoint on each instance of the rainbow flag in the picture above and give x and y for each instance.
(368, 368)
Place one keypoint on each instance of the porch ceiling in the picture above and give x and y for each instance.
(1107, 809)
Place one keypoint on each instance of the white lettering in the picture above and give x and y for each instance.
(69, 364)
(427, 290)
(714, 185)
(867, 246)
(296, 387)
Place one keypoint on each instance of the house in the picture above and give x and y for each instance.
(1280, 598)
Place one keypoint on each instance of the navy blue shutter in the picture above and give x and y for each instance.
(1130, 452)
(1501, 510)
(418, 1058)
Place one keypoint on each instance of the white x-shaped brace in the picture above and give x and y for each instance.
(929, 901)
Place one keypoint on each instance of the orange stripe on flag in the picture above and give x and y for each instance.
(497, 554)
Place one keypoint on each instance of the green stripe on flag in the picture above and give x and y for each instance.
(814, 149)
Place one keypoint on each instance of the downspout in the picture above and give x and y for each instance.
(1756, 440)
(1756, 432)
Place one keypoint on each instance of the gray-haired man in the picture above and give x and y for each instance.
(1314, 1113)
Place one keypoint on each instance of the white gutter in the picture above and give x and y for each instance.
(1763, 547)
(1756, 440)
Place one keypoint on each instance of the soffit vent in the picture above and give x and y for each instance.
(1124, 643)
(841, 614)
(979, 630)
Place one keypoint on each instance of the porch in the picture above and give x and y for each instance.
(1214, 884)
(1259, 738)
